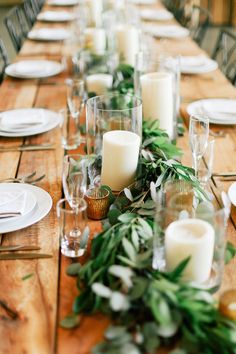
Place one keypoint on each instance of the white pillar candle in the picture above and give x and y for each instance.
(99, 83)
(157, 97)
(127, 39)
(95, 40)
(194, 238)
(120, 152)
(95, 9)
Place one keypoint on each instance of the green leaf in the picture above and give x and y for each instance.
(73, 269)
(27, 276)
(178, 271)
(127, 217)
(70, 321)
(129, 249)
(113, 216)
(230, 252)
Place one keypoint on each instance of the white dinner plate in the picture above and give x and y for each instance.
(41, 209)
(63, 2)
(30, 201)
(143, 2)
(55, 16)
(155, 15)
(166, 31)
(232, 193)
(197, 64)
(49, 34)
(34, 69)
(51, 120)
(218, 110)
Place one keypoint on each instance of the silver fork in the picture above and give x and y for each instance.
(24, 179)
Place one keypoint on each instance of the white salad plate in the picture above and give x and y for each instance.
(197, 64)
(232, 193)
(218, 110)
(49, 34)
(44, 118)
(34, 69)
(155, 15)
(55, 16)
(41, 209)
(166, 31)
(63, 2)
(30, 200)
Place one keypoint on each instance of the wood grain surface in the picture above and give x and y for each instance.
(43, 299)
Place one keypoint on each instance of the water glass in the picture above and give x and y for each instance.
(74, 178)
(198, 137)
(111, 112)
(73, 228)
(70, 134)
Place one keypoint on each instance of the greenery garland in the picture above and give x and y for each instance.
(148, 308)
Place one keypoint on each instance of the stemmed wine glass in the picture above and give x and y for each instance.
(75, 98)
(198, 137)
(74, 181)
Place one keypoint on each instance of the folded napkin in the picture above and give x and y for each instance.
(49, 34)
(192, 61)
(17, 123)
(159, 15)
(171, 31)
(56, 15)
(12, 203)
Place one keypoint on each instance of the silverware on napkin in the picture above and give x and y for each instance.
(13, 256)
(15, 248)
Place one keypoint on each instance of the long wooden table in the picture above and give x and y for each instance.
(43, 299)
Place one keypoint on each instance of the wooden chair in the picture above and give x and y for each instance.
(17, 26)
(225, 54)
(4, 61)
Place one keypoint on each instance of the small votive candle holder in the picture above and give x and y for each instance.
(98, 203)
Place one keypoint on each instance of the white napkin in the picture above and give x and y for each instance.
(56, 16)
(143, 2)
(12, 203)
(169, 31)
(192, 61)
(219, 110)
(17, 123)
(49, 33)
(159, 15)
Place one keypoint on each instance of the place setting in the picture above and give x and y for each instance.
(155, 15)
(49, 34)
(34, 69)
(63, 2)
(27, 121)
(22, 205)
(199, 64)
(56, 16)
(166, 31)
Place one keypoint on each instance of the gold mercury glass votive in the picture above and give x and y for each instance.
(227, 305)
(98, 203)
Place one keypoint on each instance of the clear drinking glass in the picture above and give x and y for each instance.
(111, 112)
(74, 178)
(73, 228)
(75, 97)
(156, 80)
(70, 134)
(198, 137)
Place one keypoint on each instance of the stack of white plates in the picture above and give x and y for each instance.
(198, 64)
(155, 15)
(34, 69)
(219, 111)
(29, 203)
(56, 16)
(49, 34)
(27, 121)
(166, 31)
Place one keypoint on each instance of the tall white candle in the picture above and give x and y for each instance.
(194, 238)
(95, 10)
(127, 39)
(157, 97)
(99, 83)
(120, 153)
(95, 40)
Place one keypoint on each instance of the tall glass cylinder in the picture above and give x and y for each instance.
(111, 112)
(156, 81)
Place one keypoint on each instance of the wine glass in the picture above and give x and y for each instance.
(75, 97)
(198, 137)
(74, 179)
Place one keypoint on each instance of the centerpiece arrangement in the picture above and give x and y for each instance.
(152, 300)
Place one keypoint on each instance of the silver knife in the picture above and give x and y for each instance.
(13, 256)
(19, 248)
